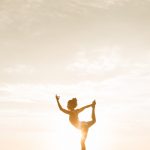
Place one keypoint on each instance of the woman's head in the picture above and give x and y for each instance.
(72, 104)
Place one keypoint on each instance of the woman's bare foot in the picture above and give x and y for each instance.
(93, 104)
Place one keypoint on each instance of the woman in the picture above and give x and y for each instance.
(74, 120)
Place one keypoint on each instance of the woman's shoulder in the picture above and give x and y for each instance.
(74, 111)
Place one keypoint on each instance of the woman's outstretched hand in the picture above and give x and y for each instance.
(57, 97)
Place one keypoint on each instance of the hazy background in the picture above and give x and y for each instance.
(97, 49)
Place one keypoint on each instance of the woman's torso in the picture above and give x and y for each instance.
(73, 117)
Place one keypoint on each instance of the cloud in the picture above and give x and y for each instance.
(94, 61)
(121, 86)
(102, 4)
(19, 68)
(37, 17)
(32, 10)
(108, 60)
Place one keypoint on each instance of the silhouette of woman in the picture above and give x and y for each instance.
(74, 120)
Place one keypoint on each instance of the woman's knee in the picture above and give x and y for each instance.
(92, 123)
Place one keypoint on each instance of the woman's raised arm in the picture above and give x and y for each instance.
(60, 107)
(84, 107)
(87, 106)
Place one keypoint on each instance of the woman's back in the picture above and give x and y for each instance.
(73, 117)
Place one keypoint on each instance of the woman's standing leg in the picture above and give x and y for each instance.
(83, 138)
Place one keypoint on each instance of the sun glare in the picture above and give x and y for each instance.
(69, 137)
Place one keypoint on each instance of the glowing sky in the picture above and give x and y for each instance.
(97, 49)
